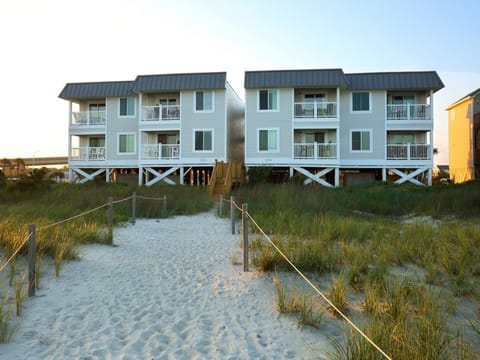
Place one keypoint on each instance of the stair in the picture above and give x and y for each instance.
(224, 176)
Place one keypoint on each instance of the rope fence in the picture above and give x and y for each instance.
(32, 229)
(246, 217)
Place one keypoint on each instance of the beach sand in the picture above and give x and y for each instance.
(167, 290)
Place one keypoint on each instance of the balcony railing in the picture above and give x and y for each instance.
(88, 153)
(409, 112)
(161, 112)
(315, 110)
(160, 151)
(89, 118)
(314, 151)
(409, 152)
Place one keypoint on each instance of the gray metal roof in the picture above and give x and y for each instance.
(168, 82)
(406, 80)
(326, 78)
(91, 90)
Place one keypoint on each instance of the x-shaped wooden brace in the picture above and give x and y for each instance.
(314, 177)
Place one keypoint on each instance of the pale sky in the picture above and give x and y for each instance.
(46, 44)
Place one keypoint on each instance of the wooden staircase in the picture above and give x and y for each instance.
(224, 176)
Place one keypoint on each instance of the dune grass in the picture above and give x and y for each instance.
(410, 253)
(50, 203)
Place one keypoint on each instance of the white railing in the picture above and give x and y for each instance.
(314, 151)
(315, 110)
(160, 151)
(409, 112)
(89, 118)
(161, 112)
(409, 152)
(88, 153)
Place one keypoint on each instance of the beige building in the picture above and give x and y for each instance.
(464, 138)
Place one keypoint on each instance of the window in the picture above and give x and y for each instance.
(268, 140)
(361, 101)
(127, 106)
(126, 143)
(204, 101)
(203, 140)
(360, 140)
(96, 142)
(268, 100)
(403, 99)
(97, 113)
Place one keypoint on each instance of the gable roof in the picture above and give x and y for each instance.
(92, 90)
(328, 78)
(405, 80)
(468, 96)
(192, 81)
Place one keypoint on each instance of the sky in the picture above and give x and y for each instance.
(46, 44)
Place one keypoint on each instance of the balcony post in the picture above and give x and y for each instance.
(315, 109)
(315, 150)
(408, 151)
(159, 150)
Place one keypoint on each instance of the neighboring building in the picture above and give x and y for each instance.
(170, 127)
(340, 129)
(464, 138)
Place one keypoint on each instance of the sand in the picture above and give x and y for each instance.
(168, 290)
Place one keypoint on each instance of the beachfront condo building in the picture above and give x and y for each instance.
(464, 138)
(157, 128)
(339, 129)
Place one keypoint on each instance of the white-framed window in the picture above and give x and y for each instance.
(203, 140)
(361, 140)
(126, 143)
(127, 106)
(360, 101)
(204, 101)
(268, 140)
(268, 100)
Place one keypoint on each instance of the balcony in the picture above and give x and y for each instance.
(315, 110)
(160, 151)
(87, 118)
(409, 112)
(160, 113)
(88, 153)
(314, 151)
(409, 152)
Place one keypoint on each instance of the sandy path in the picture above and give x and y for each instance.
(167, 291)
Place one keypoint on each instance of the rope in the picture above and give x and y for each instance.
(121, 200)
(58, 223)
(319, 292)
(71, 218)
(14, 253)
(150, 198)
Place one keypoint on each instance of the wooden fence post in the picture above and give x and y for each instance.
(165, 203)
(134, 205)
(221, 205)
(110, 214)
(232, 213)
(245, 236)
(31, 260)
